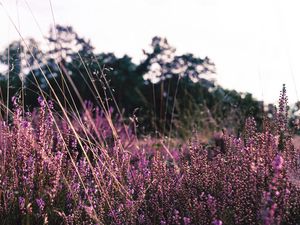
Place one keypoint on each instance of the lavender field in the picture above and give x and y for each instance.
(87, 169)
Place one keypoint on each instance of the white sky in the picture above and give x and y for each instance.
(254, 43)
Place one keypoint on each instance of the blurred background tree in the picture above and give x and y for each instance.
(169, 93)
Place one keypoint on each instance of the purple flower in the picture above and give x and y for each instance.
(278, 163)
(41, 101)
(41, 204)
(186, 221)
(22, 204)
(217, 222)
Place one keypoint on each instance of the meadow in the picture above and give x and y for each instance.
(70, 155)
(90, 169)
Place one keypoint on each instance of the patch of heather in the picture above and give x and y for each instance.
(89, 170)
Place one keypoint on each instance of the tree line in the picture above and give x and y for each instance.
(166, 92)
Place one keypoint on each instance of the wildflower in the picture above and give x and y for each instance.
(278, 163)
(186, 221)
(41, 204)
(22, 204)
(41, 101)
(217, 222)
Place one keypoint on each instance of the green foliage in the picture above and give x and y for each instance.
(169, 93)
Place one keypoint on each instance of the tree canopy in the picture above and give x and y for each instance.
(167, 91)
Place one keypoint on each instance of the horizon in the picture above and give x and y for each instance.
(253, 52)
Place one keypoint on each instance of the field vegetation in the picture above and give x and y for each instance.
(89, 138)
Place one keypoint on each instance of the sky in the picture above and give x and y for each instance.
(254, 43)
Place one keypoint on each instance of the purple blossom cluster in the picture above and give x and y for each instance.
(59, 168)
